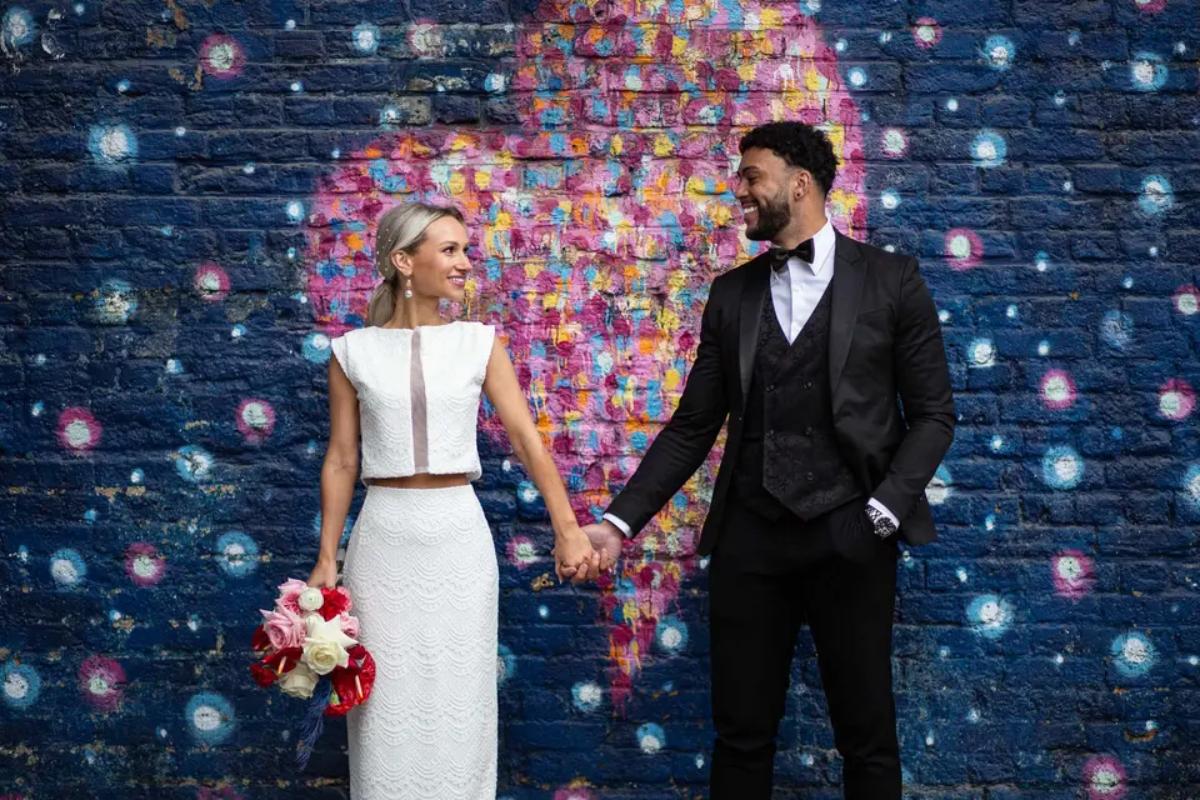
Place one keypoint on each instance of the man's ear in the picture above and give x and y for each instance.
(802, 183)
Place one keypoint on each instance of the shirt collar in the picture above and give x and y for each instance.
(824, 241)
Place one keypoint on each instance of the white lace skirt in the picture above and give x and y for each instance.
(421, 569)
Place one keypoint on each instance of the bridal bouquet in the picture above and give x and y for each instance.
(310, 636)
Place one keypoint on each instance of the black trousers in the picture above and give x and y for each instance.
(766, 579)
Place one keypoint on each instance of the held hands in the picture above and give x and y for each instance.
(574, 557)
(607, 540)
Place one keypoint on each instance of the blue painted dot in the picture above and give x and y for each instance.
(506, 664)
(999, 52)
(1147, 72)
(671, 634)
(112, 144)
(22, 685)
(193, 463)
(1062, 467)
(988, 149)
(67, 568)
(587, 696)
(316, 348)
(295, 211)
(365, 38)
(209, 717)
(1156, 197)
(651, 738)
(237, 554)
(115, 302)
(1133, 654)
(19, 28)
(989, 616)
(857, 77)
(1116, 329)
(1191, 486)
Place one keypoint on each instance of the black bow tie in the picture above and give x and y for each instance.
(780, 255)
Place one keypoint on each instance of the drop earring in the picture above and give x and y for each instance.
(408, 293)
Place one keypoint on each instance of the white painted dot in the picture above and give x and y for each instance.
(206, 718)
(1153, 251)
(997, 443)
(943, 316)
(952, 104)
(1128, 282)
(180, 131)
(290, 25)
(297, 86)
(1043, 348)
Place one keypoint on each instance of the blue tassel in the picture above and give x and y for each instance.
(313, 723)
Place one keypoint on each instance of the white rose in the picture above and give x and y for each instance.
(325, 645)
(310, 599)
(298, 682)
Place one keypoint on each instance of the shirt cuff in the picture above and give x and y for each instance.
(620, 523)
(881, 508)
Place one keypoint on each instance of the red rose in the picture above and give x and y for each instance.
(260, 641)
(262, 676)
(336, 601)
(288, 657)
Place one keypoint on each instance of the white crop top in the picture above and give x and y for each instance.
(418, 396)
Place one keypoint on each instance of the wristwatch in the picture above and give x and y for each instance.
(884, 527)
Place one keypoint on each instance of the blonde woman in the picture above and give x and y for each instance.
(420, 563)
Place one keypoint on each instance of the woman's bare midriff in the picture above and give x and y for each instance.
(421, 481)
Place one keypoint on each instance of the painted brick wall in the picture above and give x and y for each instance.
(188, 190)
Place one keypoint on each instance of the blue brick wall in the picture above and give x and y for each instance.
(169, 173)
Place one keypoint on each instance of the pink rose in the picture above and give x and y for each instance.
(284, 629)
(349, 625)
(289, 593)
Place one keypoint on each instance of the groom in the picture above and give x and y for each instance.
(826, 357)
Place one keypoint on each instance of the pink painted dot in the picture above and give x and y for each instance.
(78, 430)
(1150, 6)
(1176, 399)
(1187, 300)
(222, 56)
(893, 142)
(144, 564)
(926, 33)
(1058, 390)
(255, 419)
(102, 682)
(574, 793)
(211, 282)
(521, 551)
(1104, 778)
(219, 793)
(1073, 573)
(963, 248)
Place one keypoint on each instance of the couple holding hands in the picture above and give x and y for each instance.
(825, 358)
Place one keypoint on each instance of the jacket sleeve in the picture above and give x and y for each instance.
(684, 442)
(923, 382)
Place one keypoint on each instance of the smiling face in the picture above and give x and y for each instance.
(769, 191)
(439, 265)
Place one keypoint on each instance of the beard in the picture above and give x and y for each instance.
(772, 217)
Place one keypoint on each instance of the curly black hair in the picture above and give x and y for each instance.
(799, 145)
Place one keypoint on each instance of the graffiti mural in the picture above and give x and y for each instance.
(193, 188)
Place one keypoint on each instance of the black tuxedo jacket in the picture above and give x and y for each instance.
(885, 345)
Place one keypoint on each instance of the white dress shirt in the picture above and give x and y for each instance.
(795, 294)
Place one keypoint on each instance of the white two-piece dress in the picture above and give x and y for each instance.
(421, 568)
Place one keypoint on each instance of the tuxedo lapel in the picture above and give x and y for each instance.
(754, 293)
(849, 272)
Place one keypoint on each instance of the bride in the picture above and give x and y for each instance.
(420, 564)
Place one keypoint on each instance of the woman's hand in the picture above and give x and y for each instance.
(324, 574)
(574, 556)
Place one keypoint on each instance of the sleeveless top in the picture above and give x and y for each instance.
(418, 396)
